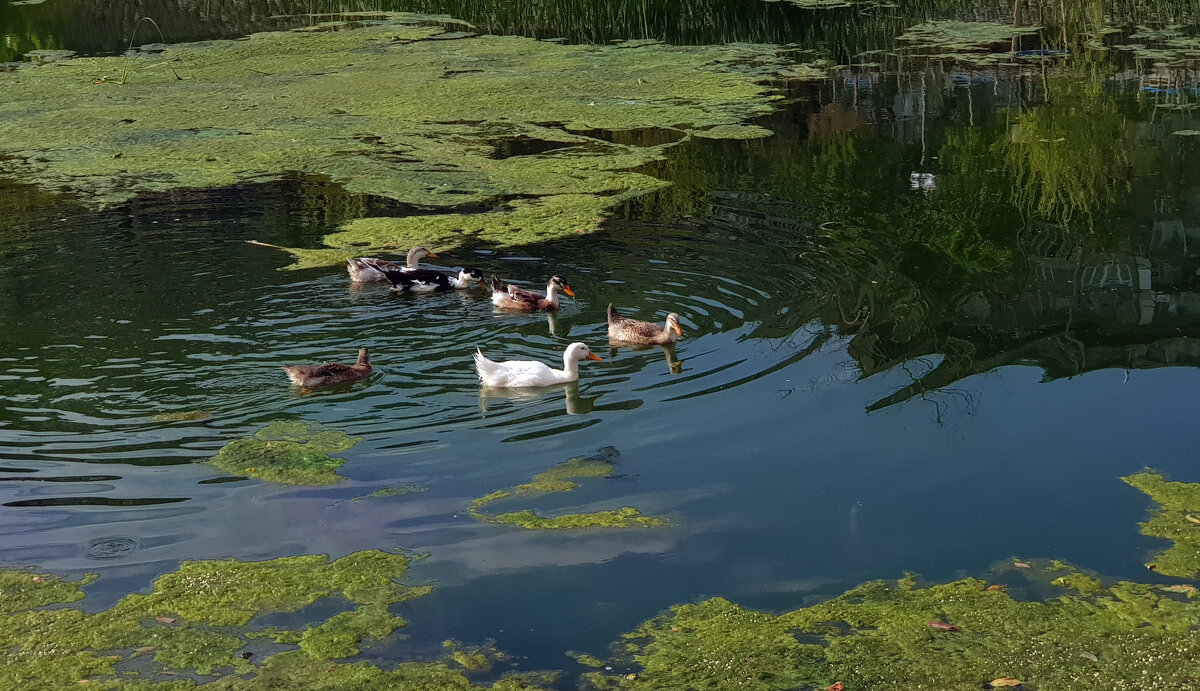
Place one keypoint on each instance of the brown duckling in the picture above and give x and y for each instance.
(510, 297)
(370, 269)
(309, 376)
(629, 330)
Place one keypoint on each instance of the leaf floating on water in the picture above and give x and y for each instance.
(1021, 564)
(1089, 656)
(942, 626)
(997, 586)
(1186, 133)
(1193, 518)
(143, 649)
(1005, 682)
(836, 686)
(165, 620)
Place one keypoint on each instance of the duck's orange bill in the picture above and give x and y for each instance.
(678, 330)
(593, 356)
(431, 254)
(568, 291)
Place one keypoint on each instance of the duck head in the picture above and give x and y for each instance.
(560, 283)
(673, 324)
(416, 254)
(578, 352)
(473, 275)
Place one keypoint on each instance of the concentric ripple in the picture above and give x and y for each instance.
(177, 351)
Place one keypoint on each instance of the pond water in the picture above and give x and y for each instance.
(929, 324)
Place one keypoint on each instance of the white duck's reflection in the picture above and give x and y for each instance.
(674, 364)
(576, 404)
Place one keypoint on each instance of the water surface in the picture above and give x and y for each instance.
(930, 322)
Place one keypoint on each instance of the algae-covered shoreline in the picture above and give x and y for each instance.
(1029, 624)
(198, 625)
(384, 105)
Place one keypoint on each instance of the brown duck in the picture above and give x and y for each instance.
(309, 376)
(629, 330)
(371, 269)
(510, 297)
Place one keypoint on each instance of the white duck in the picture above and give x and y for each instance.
(530, 372)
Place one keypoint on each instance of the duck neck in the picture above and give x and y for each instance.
(552, 296)
(570, 368)
(412, 259)
(668, 335)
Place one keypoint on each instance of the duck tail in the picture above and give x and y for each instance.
(294, 374)
(612, 313)
(483, 366)
(358, 268)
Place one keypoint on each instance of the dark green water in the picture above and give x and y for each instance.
(929, 324)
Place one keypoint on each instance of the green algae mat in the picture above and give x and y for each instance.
(1177, 519)
(198, 625)
(562, 478)
(964, 635)
(289, 452)
(391, 105)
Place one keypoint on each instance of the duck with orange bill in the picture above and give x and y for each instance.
(371, 269)
(427, 280)
(626, 330)
(517, 373)
(509, 297)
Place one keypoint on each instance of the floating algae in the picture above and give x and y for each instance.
(1166, 46)
(1178, 520)
(184, 416)
(957, 635)
(195, 620)
(561, 478)
(288, 452)
(974, 42)
(954, 35)
(384, 110)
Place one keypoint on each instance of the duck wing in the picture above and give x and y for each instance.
(508, 296)
(316, 375)
(419, 280)
(513, 372)
(370, 269)
(634, 330)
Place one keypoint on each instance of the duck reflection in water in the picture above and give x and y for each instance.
(674, 364)
(575, 404)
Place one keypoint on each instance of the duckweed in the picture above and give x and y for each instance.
(184, 416)
(878, 636)
(22, 590)
(624, 517)
(287, 452)
(383, 110)
(397, 490)
(561, 478)
(196, 619)
(963, 36)
(962, 41)
(1177, 519)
